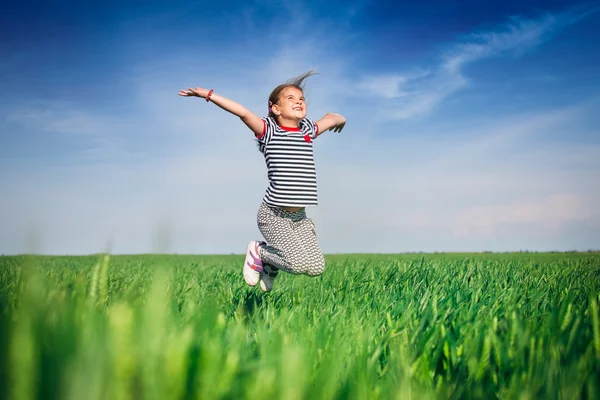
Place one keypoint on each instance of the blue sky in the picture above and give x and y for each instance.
(472, 125)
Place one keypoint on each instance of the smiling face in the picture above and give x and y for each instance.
(290, 108)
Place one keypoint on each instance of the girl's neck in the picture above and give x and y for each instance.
(289, 123)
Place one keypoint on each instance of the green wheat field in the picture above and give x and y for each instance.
(420, 326)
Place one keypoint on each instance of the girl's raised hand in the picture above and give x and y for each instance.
(338, 128)
(331, 122)
(197, 92)
(340, 122)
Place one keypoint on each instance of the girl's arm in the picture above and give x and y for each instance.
(335, 122)
(253, 121)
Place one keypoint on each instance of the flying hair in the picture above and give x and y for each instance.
(297, 82)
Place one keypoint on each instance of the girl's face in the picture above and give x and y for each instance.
(291, 104)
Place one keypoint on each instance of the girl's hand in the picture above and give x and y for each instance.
(340, 122)
(197, 92)
(331, 122)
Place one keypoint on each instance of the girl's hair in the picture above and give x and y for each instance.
(297, 82)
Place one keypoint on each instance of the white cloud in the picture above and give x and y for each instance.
(517, 36)
(393, 86)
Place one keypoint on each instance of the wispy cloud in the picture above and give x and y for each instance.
(416, 94)
(93, 134)
(51, 118)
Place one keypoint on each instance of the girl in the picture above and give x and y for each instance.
(285, 139)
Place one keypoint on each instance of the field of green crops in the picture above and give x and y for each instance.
(372, 327)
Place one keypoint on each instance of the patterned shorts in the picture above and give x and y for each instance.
(291, 241)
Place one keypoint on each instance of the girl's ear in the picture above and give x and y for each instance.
(275, 109)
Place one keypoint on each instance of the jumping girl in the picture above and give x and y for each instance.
(285, 138)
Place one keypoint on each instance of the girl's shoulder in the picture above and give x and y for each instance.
(307, 122)
(270, 122)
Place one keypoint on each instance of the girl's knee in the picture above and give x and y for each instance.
(305, 262)
(317, 268)
(308, 268)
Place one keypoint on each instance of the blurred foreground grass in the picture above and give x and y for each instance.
(372, 327)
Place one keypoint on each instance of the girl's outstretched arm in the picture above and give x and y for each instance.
(253, 121)
(335, 122)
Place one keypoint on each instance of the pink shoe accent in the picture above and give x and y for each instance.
(256, 259)
(255, 266)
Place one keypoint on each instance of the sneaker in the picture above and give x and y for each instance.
(267, 277)
(253, 264)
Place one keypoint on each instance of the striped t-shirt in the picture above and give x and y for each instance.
(290, 165)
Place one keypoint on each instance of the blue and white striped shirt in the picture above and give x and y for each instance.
(291, 169)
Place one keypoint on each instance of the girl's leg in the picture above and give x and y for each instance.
(285, 248)
(314, 261)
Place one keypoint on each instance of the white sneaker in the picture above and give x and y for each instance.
(267, 277)
(253, 264)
